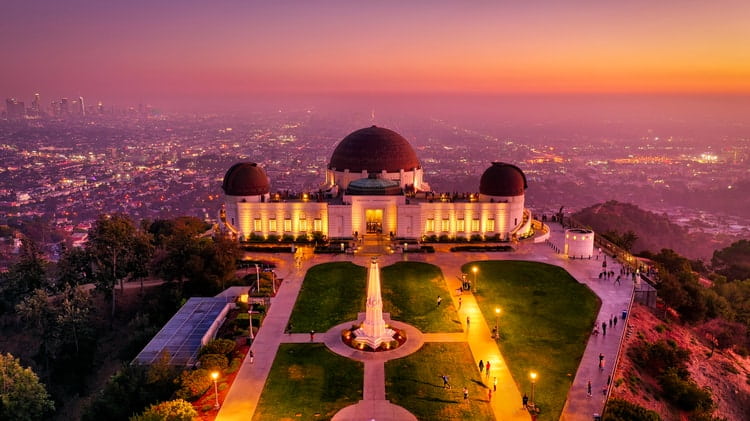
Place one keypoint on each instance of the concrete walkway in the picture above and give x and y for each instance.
(242, 399)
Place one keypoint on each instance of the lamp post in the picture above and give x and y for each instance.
(215, 376)
(250, 319)
(257, 277)
(533, 381)
(475, 269)
(497, 322)
(273, 284)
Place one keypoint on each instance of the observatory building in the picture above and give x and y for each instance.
(374, 185)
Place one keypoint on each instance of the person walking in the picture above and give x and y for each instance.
(467, 321)
(604, 328)
(615, 321)
(601, 361)
(466, 394)
(494, 384)
(446, 384)
(252, 356)
(481, 366)
(489, 395)
(312, 335)
(525, 401)
(588, 389)
(487, 368)
(439, 300)
(459, 303)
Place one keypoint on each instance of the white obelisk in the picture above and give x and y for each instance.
(373, 330)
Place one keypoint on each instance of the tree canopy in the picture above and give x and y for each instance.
(22, 396)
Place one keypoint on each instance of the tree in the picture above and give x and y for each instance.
(118, 250)
(176, 410)
(24, 276)
(22, 396)
(74, 268)
(733, 261)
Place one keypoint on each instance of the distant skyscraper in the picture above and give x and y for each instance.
(100, 107)
(81, 106)
(15, 109)
(36, 106)
(64, 107)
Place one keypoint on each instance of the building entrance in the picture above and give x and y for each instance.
(374, 220)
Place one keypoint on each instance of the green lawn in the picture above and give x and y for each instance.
(309, 382)
(332, 293)
(410, 291)
(414, 382)
(546, 320)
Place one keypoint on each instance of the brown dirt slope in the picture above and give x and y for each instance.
(725, 373)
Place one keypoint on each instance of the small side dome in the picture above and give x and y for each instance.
(246, 179)
(503, 179)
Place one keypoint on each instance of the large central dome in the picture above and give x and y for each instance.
(374, 149)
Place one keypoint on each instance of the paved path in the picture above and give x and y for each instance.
(242, 399)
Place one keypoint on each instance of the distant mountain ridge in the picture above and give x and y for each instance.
(654, 231)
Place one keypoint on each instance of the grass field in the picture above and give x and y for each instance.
(546, 319)
(309, 382)
(410, 291)
(332, 293)
(414, 382)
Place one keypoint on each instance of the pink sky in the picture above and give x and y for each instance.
(152, 49)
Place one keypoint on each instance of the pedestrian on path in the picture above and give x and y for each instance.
(609, 379)
(481, 366)
(459, 303)
(525, 401)
(487, 368)
(604, 328)
(601, 361)
(615, 321)
(489, 395)
(252, 356)
(494, 384)
(467, 321)
(610, 322)
(439, 300)
(588, 389)
(466, 394)
(312, 335)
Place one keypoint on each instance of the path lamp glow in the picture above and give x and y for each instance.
(497, 322)
(215, 376)
(533, 381)
(475, 269)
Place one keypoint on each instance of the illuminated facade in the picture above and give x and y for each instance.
(374, 186)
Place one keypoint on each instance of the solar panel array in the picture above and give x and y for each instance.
(181, 336)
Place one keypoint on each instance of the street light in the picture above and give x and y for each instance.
(533, 380)
(497, 323)
(273, 284)
(215, 376)
(250, 318)
(257, 275)
(475, 269)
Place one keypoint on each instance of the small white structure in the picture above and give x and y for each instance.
(579, 243)
(373, 331)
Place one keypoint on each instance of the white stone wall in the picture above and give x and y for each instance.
(579, 243)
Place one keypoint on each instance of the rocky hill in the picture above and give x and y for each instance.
(654, 231)
(724, 373)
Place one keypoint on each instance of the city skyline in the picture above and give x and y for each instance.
(158, 53)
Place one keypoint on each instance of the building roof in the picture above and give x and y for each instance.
(374, 149)
(184, 333)
(503, 179)
(373, 187)
(246, 179)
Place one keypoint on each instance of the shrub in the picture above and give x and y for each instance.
(220, 346)
(176, 410)
(685, 394)
(622, 410)
(234, 366)
(444, 238)
(214, 362)
(272, 238)
(193, 383)
(476, 238)
(287, 238)
(242, 321)
(656, 357)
